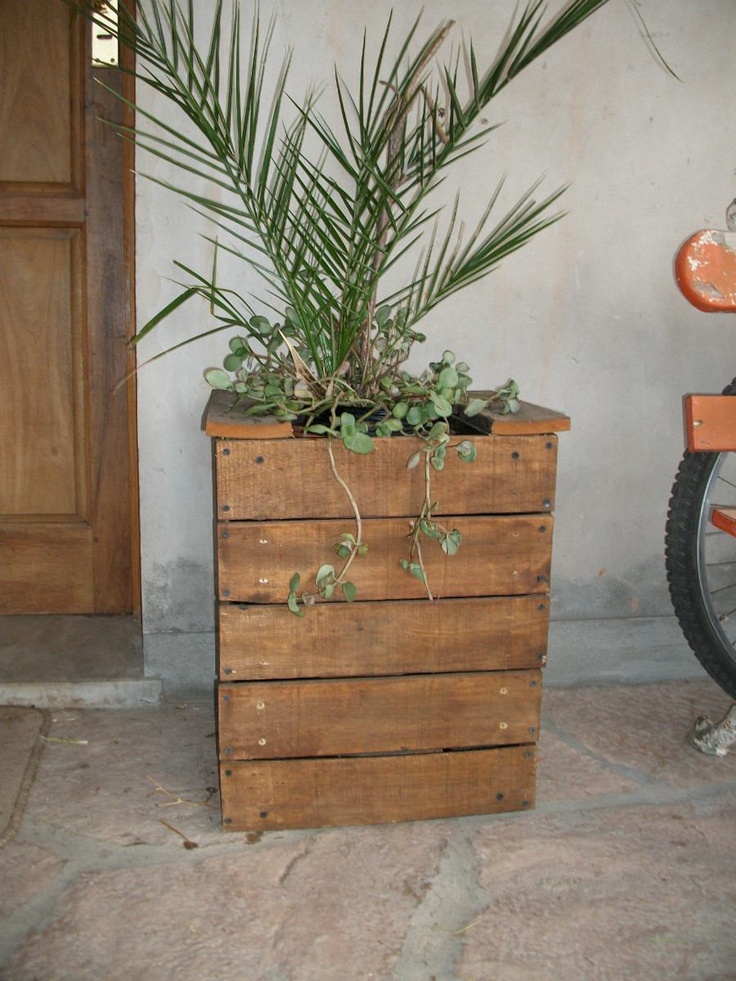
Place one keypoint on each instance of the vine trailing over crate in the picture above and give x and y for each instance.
(350, 545)
(423, 411)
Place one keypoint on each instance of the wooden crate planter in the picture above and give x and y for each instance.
(386, 709)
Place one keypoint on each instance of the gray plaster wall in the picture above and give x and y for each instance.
(587, 318)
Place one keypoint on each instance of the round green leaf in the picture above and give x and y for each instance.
(359, 443)
(232, 362)
(475, 406)
(219, 379)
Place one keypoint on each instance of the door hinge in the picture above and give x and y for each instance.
(104, 34)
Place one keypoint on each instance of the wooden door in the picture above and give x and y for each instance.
(66, 470)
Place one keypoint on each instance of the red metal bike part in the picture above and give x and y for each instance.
(710, 423)
(705, 270)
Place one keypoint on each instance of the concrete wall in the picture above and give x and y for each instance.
(587, 318)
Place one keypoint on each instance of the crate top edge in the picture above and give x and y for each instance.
(221, 421)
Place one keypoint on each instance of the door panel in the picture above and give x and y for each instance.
(37, 98)
(38, 441)
(66, 471)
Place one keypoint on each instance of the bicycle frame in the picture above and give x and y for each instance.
(705, 270)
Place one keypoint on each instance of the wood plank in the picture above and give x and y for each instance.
(392, 637)
(500, 556)
(528, 420)
(349, 716)
(282, 794)
(224, 416)
(265, 479)
(710, 423)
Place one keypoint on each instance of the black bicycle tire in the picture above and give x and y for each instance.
(688, 590)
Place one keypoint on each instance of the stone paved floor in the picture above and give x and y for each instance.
(625, 870)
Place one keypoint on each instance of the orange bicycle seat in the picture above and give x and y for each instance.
(705, 270)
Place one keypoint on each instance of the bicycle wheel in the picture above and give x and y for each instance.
(701, 560)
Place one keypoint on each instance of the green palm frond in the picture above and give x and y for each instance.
(322, 206)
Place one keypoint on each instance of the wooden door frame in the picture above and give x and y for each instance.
(129, 274)
(103, 105)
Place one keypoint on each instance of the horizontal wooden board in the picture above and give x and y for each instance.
(529, 419)
(225, 416)
(382, 638)
(505, 555)
(283, 794)
(348, 716)
(276, 478)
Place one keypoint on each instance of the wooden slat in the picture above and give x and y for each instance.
(265, 479)
(282, 794)
(505, 555)
(224, 416)
(710, 423)
(528, 420)
(349, 716)
(393, 637)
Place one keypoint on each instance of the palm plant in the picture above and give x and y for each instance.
(323, 212)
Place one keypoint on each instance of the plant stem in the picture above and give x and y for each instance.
(355, 509)
(425, 513)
